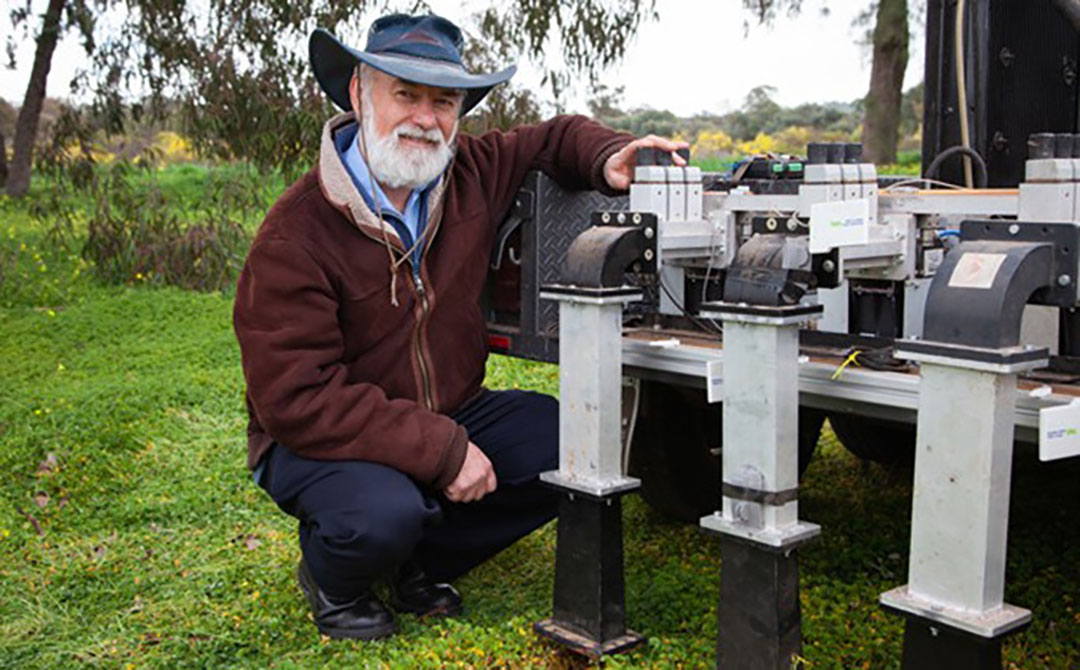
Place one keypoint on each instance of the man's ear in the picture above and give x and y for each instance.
(354, 91)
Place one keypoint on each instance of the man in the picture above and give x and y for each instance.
(362, 337)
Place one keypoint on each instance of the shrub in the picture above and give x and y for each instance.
(711, 143)
(130, 231)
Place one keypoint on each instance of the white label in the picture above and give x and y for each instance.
(976, 270)
(1059, 431)
(714, 381)
(842, 223)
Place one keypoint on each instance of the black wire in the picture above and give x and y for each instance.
(700, 324)
(876, 359)
(981, 179)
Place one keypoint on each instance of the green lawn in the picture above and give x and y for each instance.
(131, 534)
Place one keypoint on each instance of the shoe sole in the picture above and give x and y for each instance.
(367, 634)
(437, 613)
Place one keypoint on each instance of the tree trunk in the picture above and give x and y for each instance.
(3, 160)
(27, 123)
(882, 124)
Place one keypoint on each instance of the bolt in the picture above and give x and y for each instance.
(1006, 57)
(648, 254)
(620, 217)
(1000, 141)
(792, 225)
(828, 266)
(770, 223)
(649, 233)
(637, 217)
(1064, 280)
(606, 217)
(1014, 229)
(742, 513)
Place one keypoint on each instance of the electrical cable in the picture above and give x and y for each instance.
(980, 164)
(874, 359)
(922, 180)
(632, 424)
(961, 92)
(713, 247)
(714, 329)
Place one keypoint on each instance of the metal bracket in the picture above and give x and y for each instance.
(770, 270)
(1063, 262)
(601, 255)
(978, 295)
(523, 210)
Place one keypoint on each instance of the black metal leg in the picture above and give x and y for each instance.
(759, 618)
(931, 645)
(589, 613)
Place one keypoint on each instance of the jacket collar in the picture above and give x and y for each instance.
(338, 188)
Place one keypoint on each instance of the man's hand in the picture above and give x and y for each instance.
(619, 167)
(475, 480)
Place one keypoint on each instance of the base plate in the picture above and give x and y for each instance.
(581, 644)
(988, 624)
(593, 488)
(769, 538)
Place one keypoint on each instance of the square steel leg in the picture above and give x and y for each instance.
(589, 613)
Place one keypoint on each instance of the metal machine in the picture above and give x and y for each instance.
(748, 292)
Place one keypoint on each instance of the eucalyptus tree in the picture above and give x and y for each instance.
(238, 71)
(889, 40)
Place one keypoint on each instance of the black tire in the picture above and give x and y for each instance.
(673, 445)
(877, 440)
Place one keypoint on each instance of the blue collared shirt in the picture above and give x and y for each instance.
(408, 224)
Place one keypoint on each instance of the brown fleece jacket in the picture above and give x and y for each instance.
(334, 370)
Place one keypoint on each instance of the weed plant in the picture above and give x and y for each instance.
(133, 226)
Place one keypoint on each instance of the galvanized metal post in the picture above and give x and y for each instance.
(954, 598)
(759, 619)
(589, 612)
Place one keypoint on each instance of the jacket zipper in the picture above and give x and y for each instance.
(421, 292)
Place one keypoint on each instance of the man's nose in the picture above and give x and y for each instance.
(424, 115)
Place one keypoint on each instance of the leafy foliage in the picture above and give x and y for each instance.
(238, 73)
(129, 229)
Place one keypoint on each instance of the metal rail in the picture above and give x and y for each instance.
(880, 394)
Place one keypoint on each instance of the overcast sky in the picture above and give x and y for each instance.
(697, 57)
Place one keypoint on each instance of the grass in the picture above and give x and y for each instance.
(131, 535)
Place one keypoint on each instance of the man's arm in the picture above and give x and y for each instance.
(286, 321)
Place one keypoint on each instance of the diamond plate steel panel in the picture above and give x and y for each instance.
(560, 216)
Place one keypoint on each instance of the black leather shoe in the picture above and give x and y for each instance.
(412, 591)
(363, 617)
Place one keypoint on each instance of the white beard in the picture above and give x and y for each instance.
(395, 164)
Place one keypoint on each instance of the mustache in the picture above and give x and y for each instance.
(433, 135)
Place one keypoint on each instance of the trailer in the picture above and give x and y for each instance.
(706, 326)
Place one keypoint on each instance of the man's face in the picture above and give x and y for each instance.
(408, 128)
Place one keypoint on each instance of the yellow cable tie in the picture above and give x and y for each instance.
(848, 361)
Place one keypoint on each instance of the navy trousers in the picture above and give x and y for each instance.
(360, 520)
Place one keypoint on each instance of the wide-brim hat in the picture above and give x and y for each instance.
(421, 49)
